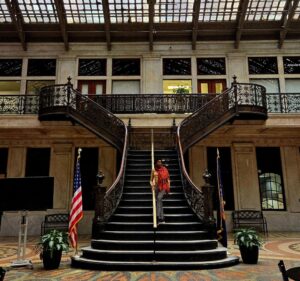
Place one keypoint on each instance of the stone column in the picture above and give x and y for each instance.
(237, 65)
(67, 67)
(108, 163)
(16, 162)
(198, 163)
(62, 170)
(152, 75)
(245, 177)
(291, 174)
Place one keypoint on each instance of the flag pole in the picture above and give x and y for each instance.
(78, 159)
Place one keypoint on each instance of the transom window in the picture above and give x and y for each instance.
(291, 65)
(177, 66)
(41, 67)
(92, 67)
(10, 67)
(126, 67)
(211, 66)
(262, 65)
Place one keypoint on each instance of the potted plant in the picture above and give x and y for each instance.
(249, 242)
(51, 246)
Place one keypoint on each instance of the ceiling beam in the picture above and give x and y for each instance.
(107, 23)
(151, 4)
(16, 16)
(287, 17)
(62, 21)
(196, 10)
(240, 21)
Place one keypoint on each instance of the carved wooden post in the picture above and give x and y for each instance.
(234, 85)
(69, 87)
(99, 219)
(208, 190)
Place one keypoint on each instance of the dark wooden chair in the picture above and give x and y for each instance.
(283, 270)
(55, 221)
(2, 273)
(243, 218)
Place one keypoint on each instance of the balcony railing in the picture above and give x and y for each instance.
(150, 103)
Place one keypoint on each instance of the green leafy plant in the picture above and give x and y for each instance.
(247, 237)
(52, 241)
(181, 90)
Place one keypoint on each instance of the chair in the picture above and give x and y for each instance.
(283, 270)
(2, 273)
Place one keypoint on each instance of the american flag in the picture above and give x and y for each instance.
(76, 205)
(221, 219)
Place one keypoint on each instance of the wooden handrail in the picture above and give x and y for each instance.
(153, 190)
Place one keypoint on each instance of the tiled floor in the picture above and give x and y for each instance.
(277, 246)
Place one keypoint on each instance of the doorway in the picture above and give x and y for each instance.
(211, 86)
(92, 87)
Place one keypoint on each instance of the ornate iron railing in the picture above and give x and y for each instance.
(151, 103)
(283, 102)
(57, 101)
(141, 139)
(16, 104)
(240, 101)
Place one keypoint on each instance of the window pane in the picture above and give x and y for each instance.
(211, 66)
(292, 85)
(41, 67)
(92, 67)
(10, 87)
(33, 87)
(177, 66)
(3, 161)
(272, 85)
(177, 86)
(270, 178)
(263, 65)
(37, 162)
(126, 87)
(10, 67)
(125, 67)
(291, 65)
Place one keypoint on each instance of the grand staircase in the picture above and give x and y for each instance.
(129, 240)
(126, 238)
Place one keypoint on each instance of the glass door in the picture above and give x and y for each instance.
(211, 86)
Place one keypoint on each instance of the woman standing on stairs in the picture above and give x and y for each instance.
(160, 182)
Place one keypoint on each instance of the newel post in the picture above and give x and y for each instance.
(69, 87)
(208, 191)
(99, 219)
(234, 85)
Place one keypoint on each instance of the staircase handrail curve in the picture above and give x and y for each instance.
(64, 99)
(240, 98)
(229, 101)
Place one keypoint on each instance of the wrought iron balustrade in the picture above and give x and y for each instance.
(57, 101)
(150, 103)
(17, 104)
(283, 102)
(240, 101)
(153, 103)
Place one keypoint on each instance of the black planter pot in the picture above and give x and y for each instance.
(51, 262)
(249, 255)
